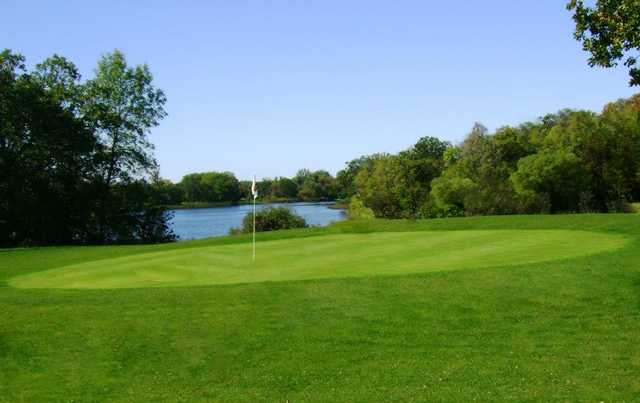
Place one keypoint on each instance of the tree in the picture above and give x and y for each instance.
(383, 187)
(167, 192)
(476, 177)
(451, 193)
(58, 135)
(317, 185)
(427, 148)
(264, 188)
(211, 187)
(45, 157)
(620, 124)
(396, 186)
(345, 178)
(122, 105)
(61, 79)
(557, 174)
(610, 32)
(284, 188)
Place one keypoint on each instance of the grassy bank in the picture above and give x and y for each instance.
(437, 310)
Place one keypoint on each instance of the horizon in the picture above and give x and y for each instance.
(269, 89)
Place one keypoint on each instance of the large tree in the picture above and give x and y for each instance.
(122, 105)
(45, 157)
(610, 32)
(74, 155)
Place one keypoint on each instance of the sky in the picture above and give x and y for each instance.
(268, 87)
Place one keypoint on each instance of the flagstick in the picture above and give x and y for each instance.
(254, 228)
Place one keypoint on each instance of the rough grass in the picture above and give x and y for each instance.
(555, 330)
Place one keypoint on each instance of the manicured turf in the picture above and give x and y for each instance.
(552, 326)
(346, 255)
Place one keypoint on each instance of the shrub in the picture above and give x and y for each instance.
(358, 211)
(272, 219)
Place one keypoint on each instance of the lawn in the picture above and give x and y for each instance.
(486, 308)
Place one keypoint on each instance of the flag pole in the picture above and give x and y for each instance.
(254, 228)
(254, 193)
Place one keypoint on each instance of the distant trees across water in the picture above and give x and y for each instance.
(221, 187)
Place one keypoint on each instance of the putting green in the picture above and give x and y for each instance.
(329, 256)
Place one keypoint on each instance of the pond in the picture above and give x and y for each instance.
(206, 222)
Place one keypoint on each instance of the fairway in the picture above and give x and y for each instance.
(330, 256)
(513, 308)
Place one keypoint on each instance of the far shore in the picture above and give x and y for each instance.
(334, 204)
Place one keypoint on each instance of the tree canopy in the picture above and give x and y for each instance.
(610, 32)
(74, 154)
(569, 161)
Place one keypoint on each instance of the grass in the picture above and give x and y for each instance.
(330, 256)
(548, 311)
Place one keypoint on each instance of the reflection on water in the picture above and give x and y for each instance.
(206, 222)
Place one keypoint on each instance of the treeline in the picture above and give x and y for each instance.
(566, 162)
(75, 160)
(219, 187)
(77, 166)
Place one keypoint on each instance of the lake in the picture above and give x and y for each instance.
(206, 222)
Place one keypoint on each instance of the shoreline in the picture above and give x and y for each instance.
(333, 204)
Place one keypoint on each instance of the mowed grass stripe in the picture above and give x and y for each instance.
(329, 256)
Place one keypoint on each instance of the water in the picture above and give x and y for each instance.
(206, 222)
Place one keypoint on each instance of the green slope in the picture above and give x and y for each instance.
(548, 330)
(346, 255)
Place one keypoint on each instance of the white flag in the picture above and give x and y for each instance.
(254, 189)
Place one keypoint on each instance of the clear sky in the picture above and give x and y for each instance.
(271, 86)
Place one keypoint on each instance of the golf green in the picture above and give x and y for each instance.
(329, 256)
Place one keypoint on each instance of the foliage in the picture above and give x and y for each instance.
(609, 31)
(210, 187)
(272, 219)
(452, 193)
(121, 105)
(346, 177)
(383, 186)
(166, 192)
(217, 187)
(135, 214)
(316, 185)
(569, 161)
(358, 211)
(284, 188)
(396, 186)
(74, 154)
(557, 174)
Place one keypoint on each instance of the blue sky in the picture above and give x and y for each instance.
(273, 86)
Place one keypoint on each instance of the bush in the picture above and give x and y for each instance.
(271, 219)
(357, 210)
(431, 209)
